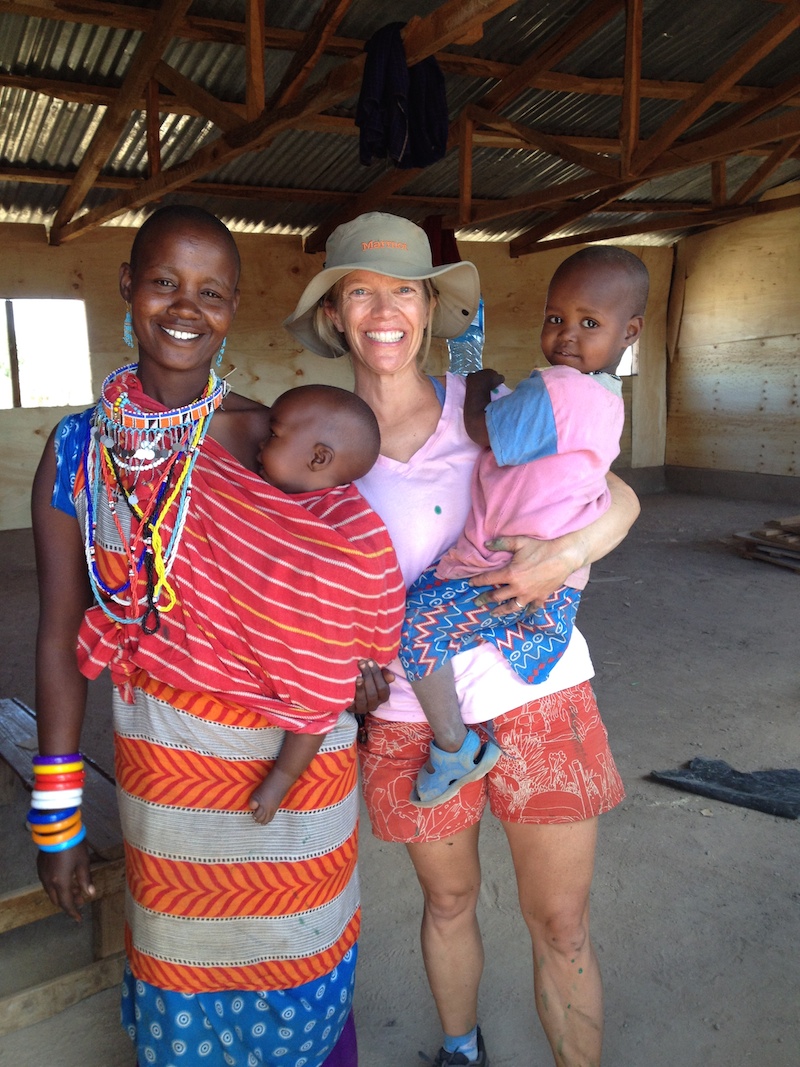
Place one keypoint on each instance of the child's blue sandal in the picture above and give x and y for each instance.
(452, 770)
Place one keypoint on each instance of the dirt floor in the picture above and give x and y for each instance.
(696, 905)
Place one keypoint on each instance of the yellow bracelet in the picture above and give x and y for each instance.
(58, 768)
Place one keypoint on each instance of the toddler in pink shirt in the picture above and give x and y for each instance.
(548, 447)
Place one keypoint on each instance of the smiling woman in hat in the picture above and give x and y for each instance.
(379, 299)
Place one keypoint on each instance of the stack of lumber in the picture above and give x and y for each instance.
(777, 541)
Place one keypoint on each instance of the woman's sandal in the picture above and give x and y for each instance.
(452, 770)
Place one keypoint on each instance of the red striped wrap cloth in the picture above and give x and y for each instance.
(278, 597)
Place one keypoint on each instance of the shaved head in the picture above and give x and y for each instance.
(611, 259)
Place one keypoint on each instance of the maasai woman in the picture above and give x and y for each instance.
(164, 556)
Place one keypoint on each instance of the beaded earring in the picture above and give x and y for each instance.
(221, 352)
(127, 328)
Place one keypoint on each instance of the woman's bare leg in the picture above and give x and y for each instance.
(450, 876)
(554, 864)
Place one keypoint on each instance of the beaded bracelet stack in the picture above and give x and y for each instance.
(55, 816)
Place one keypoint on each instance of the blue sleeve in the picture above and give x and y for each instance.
(70, 441)
(522, 424)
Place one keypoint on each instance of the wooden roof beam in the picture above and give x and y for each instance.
(778, 156)
(308, 54)
(578, 30)
(255, 81)
(187, 98)
(543, 142)
(533, 201)
(766, 101)
(147, 55)
(466, 128)
(719, 183)
(755, 135)
(197, 101)
(422, 36)
(550, 81)
(728, 143)
(767, 39)
(240, 191)
(219, 31)
(568, 215)
(153, 129)
(678, 222)
(631, 96)
(596, 15)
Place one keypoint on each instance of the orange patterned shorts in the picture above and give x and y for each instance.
(556, 768)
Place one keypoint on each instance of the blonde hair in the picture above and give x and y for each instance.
(329, 335)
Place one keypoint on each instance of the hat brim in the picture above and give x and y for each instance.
(457, 285)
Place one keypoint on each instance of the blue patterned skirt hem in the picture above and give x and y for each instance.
(282, 1028)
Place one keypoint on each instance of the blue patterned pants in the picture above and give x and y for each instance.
(442, 620)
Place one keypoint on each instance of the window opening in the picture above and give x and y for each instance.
(44, 354)
(629, 364)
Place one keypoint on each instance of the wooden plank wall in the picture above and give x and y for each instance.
(734, 382)
(274, 271)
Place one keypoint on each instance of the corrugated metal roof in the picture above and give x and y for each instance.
(51, 134)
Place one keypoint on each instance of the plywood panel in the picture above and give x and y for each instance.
(734, 384)
(742, 281)
(759, 378)
(735, 443)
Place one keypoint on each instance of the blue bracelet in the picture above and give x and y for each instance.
(42, 818)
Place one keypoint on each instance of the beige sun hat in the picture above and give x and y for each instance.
(390, 245)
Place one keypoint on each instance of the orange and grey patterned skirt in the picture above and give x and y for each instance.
(216, 901)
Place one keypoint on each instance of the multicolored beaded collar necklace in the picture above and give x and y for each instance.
(133, 456)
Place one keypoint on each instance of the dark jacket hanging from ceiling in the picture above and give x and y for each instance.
(402, 110)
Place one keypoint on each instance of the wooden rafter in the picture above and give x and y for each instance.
(255, 81)
(549, 81)
(776, 31)
(768, 99)
(465, 134)
(568, 215)
(185, 97)
(422, 37)
(778, 156)
(728, 143)
(147, 55)
(698, 152)
(612, 167)
(601, 11)
(581, 28)
(306, 57)
(631, 97)
(555, 146)
(677, 222)
(219, 31)
(432, 202)
(719, 183)
(197, 101)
